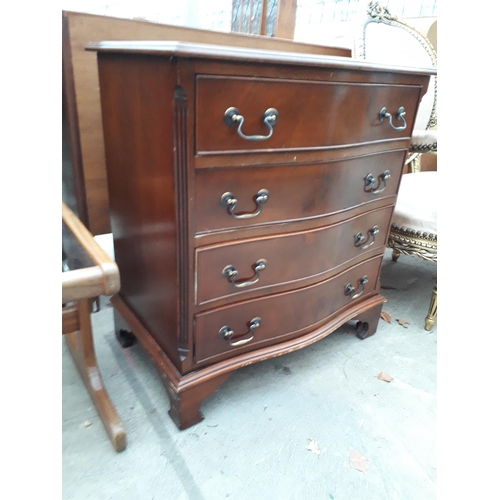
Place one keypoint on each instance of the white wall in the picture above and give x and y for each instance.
(323, 22)
(327, 22)
(203, 14)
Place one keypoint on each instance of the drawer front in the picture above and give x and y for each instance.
(310, 114)
(231, 198)
(235, 268)
(248, 324)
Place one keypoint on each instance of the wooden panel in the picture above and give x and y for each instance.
(285, 22)
(74, 194)
(302, 108)
(281, 314)
(81, 81)
(295, 191)
(139, 133)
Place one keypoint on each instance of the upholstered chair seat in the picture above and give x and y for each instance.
(416, 205)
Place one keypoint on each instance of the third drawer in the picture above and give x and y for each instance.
(232, 269)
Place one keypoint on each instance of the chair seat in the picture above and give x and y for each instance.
(416, 206)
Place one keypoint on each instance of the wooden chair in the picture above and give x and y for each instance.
(87, 272)
(381, 37)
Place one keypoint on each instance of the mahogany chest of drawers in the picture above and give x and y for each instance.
(251, 194)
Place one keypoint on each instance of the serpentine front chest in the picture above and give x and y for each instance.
(251, 195)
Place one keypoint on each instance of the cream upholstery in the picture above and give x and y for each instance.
(416, 207)
(424, 141)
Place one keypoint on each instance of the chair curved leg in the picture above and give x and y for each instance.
(395, 254)
(430, 319)
(81, 347)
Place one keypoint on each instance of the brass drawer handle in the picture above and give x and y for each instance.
(400, 115)
(359, 239)
(226, 333)
(231, 274)
(349, 289)
(370, 182)
(232, 117)
(227, 200)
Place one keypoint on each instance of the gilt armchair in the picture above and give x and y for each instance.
(382, 37)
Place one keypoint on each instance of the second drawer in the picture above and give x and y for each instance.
(230, 198)
(235, 268)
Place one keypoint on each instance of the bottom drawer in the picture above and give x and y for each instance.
(245, 325)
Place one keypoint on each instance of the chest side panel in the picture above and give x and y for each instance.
(138, 108)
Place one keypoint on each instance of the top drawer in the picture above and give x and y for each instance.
(311, 114)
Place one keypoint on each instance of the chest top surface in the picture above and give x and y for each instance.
(187, 50)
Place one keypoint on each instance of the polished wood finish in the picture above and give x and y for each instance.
(173, 237)
(311, 190)
(302, 107)
(82, 100)
(282, 315)
(78, 287)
